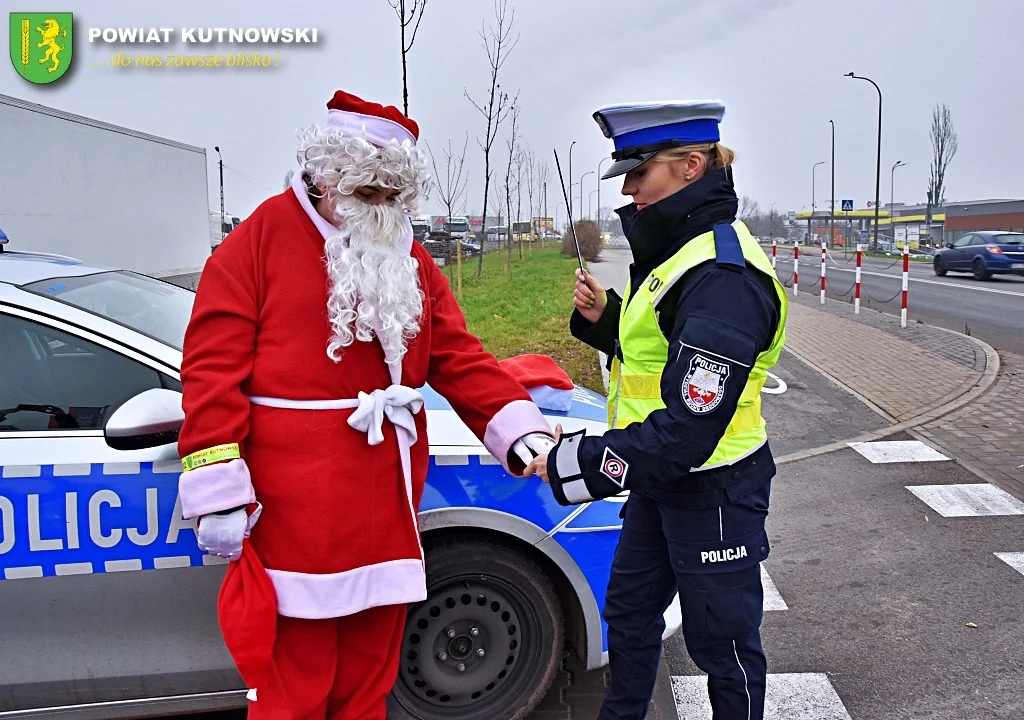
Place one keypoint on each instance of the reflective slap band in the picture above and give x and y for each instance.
(210, 455)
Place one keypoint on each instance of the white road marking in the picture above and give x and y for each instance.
(1013, 559)
(898, 451)
(777, 390)
(934, 282)
(788, 696)
(772, 599)
(971, 500)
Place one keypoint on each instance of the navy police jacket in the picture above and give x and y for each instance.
(743, 310)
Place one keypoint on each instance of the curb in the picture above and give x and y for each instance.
(929, 414)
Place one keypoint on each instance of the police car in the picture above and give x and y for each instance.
(109, 607)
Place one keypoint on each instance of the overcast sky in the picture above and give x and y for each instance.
(777, 65)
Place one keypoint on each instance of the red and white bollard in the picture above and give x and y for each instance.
(906, 282)
(775, 252)
(796, 268)
(822, 272)
(856, 284)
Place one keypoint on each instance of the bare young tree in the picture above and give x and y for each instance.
(512, 142)
(531, 186)
(749, 208)
(498, 42)
(944, 146)
(451, 187)
(543, 174)
(521, 160)
(409, 12)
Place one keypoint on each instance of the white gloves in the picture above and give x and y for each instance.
(530, 446)
(222, 535)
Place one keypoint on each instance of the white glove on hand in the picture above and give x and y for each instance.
(222, 535)
(530, 446)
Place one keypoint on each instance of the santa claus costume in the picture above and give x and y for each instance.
(307, 339)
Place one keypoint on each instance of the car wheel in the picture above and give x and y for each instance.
(487, 641)
(980, 271)
(939, 267)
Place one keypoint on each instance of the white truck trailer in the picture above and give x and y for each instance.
(101, 193)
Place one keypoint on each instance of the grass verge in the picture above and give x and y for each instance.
(526, 309)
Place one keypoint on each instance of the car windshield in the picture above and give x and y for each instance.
(156, 309)
(1010, 239)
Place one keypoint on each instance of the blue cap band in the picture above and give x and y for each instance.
(691, 131)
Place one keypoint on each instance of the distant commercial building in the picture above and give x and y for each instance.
(965, 217)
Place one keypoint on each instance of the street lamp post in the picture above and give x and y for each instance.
(832, 207)
(590, 200)
(813, 201)
(878, 159)
(582, 178)
(599, 228)
(892, 201)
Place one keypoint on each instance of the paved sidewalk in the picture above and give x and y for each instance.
(987, 436)
(904, 372)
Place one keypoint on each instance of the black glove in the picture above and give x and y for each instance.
(571, 485)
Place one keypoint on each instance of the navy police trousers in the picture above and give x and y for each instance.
(711, 557)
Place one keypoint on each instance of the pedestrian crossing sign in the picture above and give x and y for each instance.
(847, 205)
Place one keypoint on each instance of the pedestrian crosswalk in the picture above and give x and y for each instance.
(1013, 559)
(772, 599)
(898, 451)
(788, 696)
(968, 500)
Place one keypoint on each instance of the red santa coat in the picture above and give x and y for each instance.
(338, 532)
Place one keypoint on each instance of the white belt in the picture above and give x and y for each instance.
(398, 402)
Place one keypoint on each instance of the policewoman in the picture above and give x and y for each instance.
(690, 341)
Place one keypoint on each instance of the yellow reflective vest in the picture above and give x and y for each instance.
(636, 375)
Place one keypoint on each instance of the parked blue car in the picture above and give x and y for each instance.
(109, 606)
(983, 254)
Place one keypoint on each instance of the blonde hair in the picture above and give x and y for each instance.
(716, 155)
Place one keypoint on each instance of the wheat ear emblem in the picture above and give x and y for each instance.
(24, 45)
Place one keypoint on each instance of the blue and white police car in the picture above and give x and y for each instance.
(108, 606)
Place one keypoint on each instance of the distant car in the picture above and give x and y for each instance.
(983, 254)
(109, 606)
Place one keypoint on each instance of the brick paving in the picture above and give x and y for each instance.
(987, 436)
(903, 371)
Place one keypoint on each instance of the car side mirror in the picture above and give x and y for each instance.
(949, 244)
(150, 419)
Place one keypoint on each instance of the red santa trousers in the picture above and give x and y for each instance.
(334, 669)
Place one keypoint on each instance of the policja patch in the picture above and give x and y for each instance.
(704, 384)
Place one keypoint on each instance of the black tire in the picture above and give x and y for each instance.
(939, 267)
(499, 591)
(980, 271)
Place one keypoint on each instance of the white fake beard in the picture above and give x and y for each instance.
(373, 283)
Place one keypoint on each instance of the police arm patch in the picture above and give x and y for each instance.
(614, 467)
(704, 384)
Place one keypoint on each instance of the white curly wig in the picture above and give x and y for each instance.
(339, 162)
(373, 282)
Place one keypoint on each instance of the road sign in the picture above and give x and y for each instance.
(847, 205)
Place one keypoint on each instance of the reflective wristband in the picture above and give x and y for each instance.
(210, 455)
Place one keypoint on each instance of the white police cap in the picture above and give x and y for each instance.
(640, 130)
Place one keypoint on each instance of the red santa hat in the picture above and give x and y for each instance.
(355, 116)
(247, 611)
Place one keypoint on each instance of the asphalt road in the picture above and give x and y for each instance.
(991, 310)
